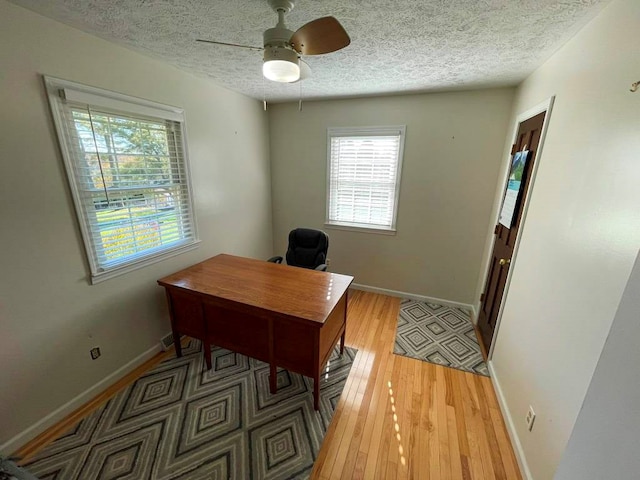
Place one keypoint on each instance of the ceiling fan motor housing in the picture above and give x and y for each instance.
(286, 54)
(277, 37)
(277, 46)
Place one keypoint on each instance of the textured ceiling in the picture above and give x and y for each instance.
(396, 46)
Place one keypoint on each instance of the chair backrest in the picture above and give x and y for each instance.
(307, 248)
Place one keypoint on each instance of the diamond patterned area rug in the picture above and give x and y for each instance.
(439, 334)
(180, 421)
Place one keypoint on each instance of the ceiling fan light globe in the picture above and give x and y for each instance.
(281, 64)
(281, 71)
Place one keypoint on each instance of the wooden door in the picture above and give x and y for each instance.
(528, 138)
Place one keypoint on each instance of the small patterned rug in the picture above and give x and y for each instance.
(439, 334)
(180, 421)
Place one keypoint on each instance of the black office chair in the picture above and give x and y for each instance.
(307, 249)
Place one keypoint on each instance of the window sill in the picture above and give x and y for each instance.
(355, 228)
(130, 267)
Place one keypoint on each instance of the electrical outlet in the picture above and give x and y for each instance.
(531, 416)
(95, 353)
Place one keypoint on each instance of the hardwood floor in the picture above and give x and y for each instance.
(397, 418)
(403, 418)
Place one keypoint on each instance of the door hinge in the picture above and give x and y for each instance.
(514, 149)
(482, 298)
(495, 229)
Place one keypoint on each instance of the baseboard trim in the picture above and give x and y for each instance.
(413, 296)
(474, 316)
(508, 419)
(60, 413)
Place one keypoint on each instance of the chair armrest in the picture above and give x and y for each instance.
(275, 259)
(322, 267)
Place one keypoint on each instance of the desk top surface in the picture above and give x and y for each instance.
(298, 292)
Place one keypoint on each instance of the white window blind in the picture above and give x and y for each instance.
(364, 176)
(127, 168)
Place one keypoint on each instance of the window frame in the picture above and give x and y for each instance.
(57, 90)
(387, 130)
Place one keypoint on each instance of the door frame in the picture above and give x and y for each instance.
(545, 106)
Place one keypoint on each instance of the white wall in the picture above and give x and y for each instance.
(581, 234)
(453, 149)
(604, 442)
(49, 315)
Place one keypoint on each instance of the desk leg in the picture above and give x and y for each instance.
(206, 351)
(344, 332)
(316, 392)
(273, 378)
(177, 344)
(273, 374)
(176, 335)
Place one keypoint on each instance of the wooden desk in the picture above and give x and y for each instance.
(286, 316)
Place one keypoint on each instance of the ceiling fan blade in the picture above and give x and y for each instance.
(322, 35)
(230, 44)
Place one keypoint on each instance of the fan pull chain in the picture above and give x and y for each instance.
(264, 95)
(300, 100)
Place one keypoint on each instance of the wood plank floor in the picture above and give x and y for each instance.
(397, 418)
(403, 418)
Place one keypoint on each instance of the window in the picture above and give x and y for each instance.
(127, 169)
(364, 177)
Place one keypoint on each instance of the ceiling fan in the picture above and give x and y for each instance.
(283, 47)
